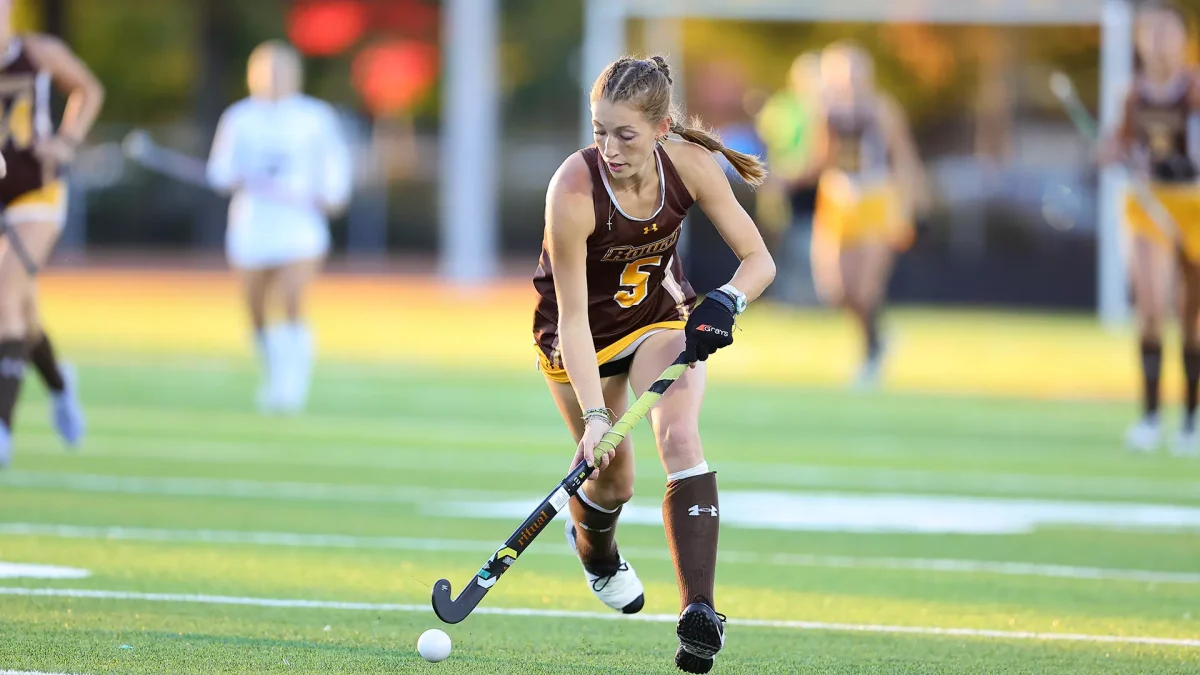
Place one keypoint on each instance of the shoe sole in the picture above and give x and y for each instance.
(690, 663)
(699, 634)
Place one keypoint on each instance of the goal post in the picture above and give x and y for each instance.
(605, 39)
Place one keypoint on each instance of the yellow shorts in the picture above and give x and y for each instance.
(876, 214)
(1182, 202)
(45, 205)
(612, 352)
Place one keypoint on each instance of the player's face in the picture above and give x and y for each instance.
(846, 75)
(1161, 40)
(805, 73)
(273, 73)
(625, 137)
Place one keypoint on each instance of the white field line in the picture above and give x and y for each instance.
(244, 489)
(609, 616)
(814, 477)
(415, 544)
(430, 454)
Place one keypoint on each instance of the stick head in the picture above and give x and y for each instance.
(1061, 85)
(444, 606)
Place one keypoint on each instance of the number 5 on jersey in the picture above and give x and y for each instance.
(636, 280)
(17, 122)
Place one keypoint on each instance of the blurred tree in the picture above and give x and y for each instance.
(540, 64)
(933, 70)
(141, 51)
(54, 18)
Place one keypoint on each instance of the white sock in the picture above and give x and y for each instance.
(584, 498)
(300, 360)
(275, 340)
(698, 470)
(260, 348)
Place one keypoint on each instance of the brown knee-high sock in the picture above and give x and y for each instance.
(1151, 352)
(12, 372)
(595, 536)
(1191, 371)
(41, 355)
(692, 523)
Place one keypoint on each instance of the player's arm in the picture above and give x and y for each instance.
(570, 219)
(914, 183)
(1116, 147)
(222, 170)
(337, 172)
(85, 94)
(822, 150)
(1193, 123)
(711, 189)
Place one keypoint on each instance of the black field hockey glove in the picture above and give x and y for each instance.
(710, 326)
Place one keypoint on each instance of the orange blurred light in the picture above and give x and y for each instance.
(392, 76)
(326, 27)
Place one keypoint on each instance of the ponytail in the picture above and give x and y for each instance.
(750, 168)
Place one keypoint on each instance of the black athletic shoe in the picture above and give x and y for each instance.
(701, 634)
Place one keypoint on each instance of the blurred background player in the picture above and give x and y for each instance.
(614, 311)
(872, 183)
(791, 127)
(282, 156)
(34, 199)
(1158, 133)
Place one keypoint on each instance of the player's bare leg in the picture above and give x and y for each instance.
(825, 258)
(66, 413)
(293, 282)
(866, 268)
(691, 509)
(256, 286)
(1187, 442)
(1152, 268)
(592, 528)
(15, 284)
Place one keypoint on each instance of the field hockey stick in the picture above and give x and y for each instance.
(1064, 91)
(455, 610)
(139, 146)
(18, 247)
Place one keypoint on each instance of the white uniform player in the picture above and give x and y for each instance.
(285, 162)
(283, 158)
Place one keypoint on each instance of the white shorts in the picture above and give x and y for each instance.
(47, 204)
(275, 238)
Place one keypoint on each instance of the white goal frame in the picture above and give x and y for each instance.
(604, 39)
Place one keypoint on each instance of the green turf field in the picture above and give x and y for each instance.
(879, 533)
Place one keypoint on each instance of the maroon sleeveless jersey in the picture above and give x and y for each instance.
(634, 275)
(1160, 126)
(25, 105)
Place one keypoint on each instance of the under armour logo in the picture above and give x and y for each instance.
(697, 510)
(653, 227)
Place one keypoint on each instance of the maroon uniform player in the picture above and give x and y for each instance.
(614, 311)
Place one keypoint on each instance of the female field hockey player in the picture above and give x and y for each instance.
(614, 311)
(791, 126)
(872, 183)
(34, 199)
(282, 156)
(1159, 134)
